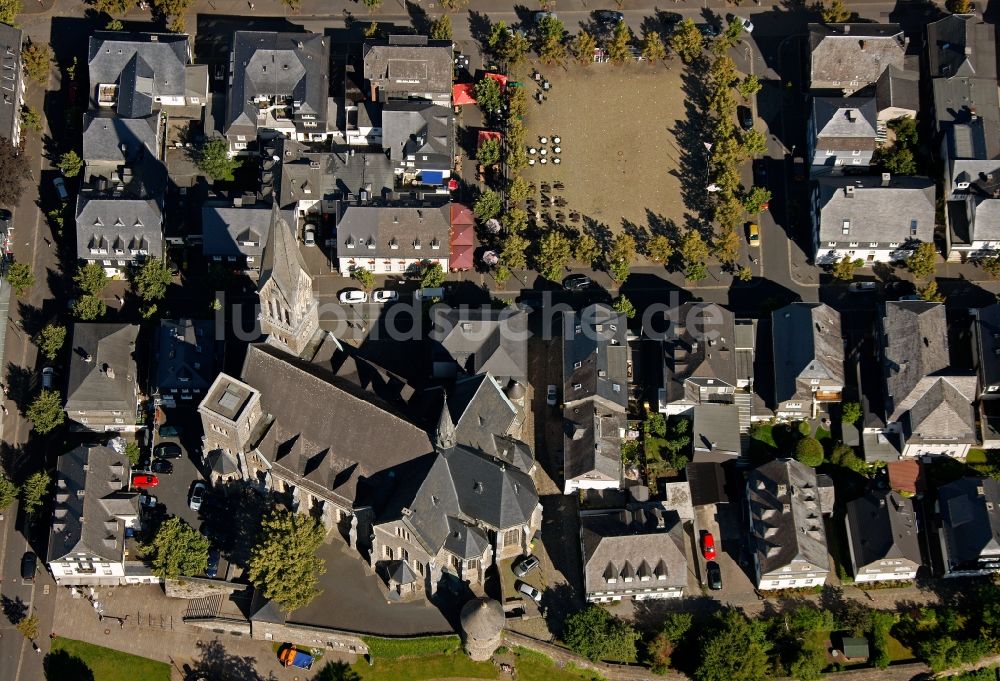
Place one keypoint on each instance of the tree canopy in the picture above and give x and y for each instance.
(687, 41)
(88, 308)
(923, 261)
(70, 163)
(441, 28)
(284, 563)
(621, 256)
(809, 451)
(91, 278)
(8, 492)
(433, 276)
(20, 277)
(212, 158)
(33, 492)
(46, 411)
(13, 172)
(488, 205)
(51, 339)
(151, 280)
(177, 549)
(734, 649)
(598, 635)
(554, 250)
(36, 57)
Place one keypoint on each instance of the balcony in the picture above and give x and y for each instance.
(107, 94)
(827, 396)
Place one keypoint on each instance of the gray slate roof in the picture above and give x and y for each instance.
(481, 412)
(961, 45)
(845, 122)
(883, 525)
(281, 258)
(419, 129)
(96, 349)
(898, 88)
(854, 52)
(944, 411)
(122, 224)
(700, 348)
(969, 101)
(91, 501)
(592, 443)
(916, 346)
(145, 66)
(808, 344)
(786, 518)
(392, 232)
(104, 137)
(988, 348)
(185, 354)
(481, 340)
(715, 432)
(333, 175)
(464, 540)
(10, 81)
(409, 64)
(225, 230)
(595, 357)
(876, 213)
(970, 520)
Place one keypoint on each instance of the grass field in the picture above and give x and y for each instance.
(532, 666)
(392, 648)
(448, 666)
(79, 661)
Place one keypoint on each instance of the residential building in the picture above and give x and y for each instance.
(235, 235)
(986, 353)
(118, 232)
(93, 508)
(419, 138)
(928, 405)
(388, 239)
(808, 360)
(882, 537)
(961, 46)
(470, 341)
(715, 433)
(842, 133)
(314, 183)
(897, 95)
(592, 447)
(635, 552)
(969, 513)
(845, 58)
(279, 85)
(11, 84)
(409, 67)
(133, 75)
(186, 360)
(102, 393)
(872, 219)
(972, 189)
(787, 536)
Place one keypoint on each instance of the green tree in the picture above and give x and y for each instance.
(339, 671)
(441, 28)
(433, 276)
(756, 199)
(213, 159)
(844, 269)
(897, 160)
(177, 549)
(625, 306)
(501, 274)
(20, 277)
(729, 212)
(659, 249)
(87, 308)
(805, 430)
(454, 5)
(114, 25)
(91, 278)
(515, 220)
(653, 49)
(13, 171)
(151, 280)
(489, 150)
(991, 265)
(28, 626)
(726, 247)
(922, 262)
(905, 130)
(583, 47)
(488, 205)
(51, 340)
(744, 273)
(518, 189)
(598, 635)
(46, 411)
(8, 492)
(693, 249)
(753, 143)
(488, 95)
(513, 252)
(513, 48)
(554, 250)
(113, 8)
(959, 6)
(930, 293)
(35, 57)
(749, 86)
(9, 9)
(809, 451)
(619, 47)
(672, 631)
(687, 41)
(843, 455)
(34, 491)
(31, 119)
(284, 563)
(835, 12)
(551, 49)
(734, 649)
(364, 277)
(621, 256)
(372, 5)
(850, 412)
(586, 249)
(133, 453)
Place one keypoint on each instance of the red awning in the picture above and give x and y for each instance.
(463, 235)
(461, 258)
(500, 78)
(488, 135)
(461, 215)
(463, 93)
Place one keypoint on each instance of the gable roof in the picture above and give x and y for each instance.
(943, 411)
(700, 347)
(226, 229)
(185, 355)
(987, 337)
(898, 88)
(592, 443)
(845, 122)
(970, 520)
(480, 410)
(480, 340)
(883, 525)
(102, 372)
(144, 66)
(875, 213)
(119, 140)
(961, 45)
(419, 129)
(118, 224)
(10, 81)
(392, 232)
(916, 346)
(329, 175)
(409, 64)
(853, 53)
(595, 357)
(808, 344)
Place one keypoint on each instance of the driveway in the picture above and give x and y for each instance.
(723, 521)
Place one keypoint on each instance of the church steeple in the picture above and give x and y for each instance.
(444, 437)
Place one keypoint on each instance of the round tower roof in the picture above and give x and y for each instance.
(482, 618)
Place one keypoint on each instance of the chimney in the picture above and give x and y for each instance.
(849, 191)
(850, 115)
(885, 179)
(968, 50)
(109, 371)
(847, 28)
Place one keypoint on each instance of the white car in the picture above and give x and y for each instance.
(550, 395)
(385, 296)
(61, 188)
(310, 236)
(197, 496)
(746, 23)
(529, 591)
(353, 297)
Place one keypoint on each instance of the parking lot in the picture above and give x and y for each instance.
(723, 521)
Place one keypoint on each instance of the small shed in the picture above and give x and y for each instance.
(854, 648)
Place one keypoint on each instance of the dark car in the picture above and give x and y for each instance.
(745, 116)
(608, 17)
(170, 431)
(709, 30)
(5, 218)
(162, 466)
(524, 565)
(168, 450)
(669, 20)
(577, 282)
(212, 569)
(714, 576)
(760, 172)
(29, 563)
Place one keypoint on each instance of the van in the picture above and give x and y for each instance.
(429, 293)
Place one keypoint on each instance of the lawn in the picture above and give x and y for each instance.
(450, 665)
(71, 659)
(392, 648)
(533, 666)
(898, 652)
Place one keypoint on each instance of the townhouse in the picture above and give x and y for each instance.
(102, 392)
(882, 537)
(808, 360)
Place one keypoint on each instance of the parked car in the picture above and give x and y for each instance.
(429, 293)
(47, 378)
(608, 16)
(60, 185)
(290, 656)
(550, 395)
(162, 466)
(760, 172)
(524, 565)
(542, 16)
(147, 501)
(753, 234)
(577, 282)
(708, 545)
(212, 569)
(384, 295)
(29, 563)
(144, 481)
(309, 236)
(6, 221)
(745, 23)
(708, 30)
(669, 20)
(862, 287)
(745, 117)
(170, 431)
(714, 575)
(799, 169)
(168, 450)
(197, 496)
(529, 591)
(353, 297)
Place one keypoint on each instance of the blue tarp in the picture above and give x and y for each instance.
(432, 177)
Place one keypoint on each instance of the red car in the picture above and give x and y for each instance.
(708, 546)
(145, 481)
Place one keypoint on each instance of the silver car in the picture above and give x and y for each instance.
(197, 496)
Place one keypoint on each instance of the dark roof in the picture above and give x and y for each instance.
(944, 412)
(699, 348)
(102, 372)
(715, 431)
(707, 482)
(845, 122)
(883, 525)
(592, 443)
(898, 88)
(464, 540)
(227, 230)
(144, 66)
(405, 65)
(391, 232)
(185, 354)
(971, 101)
(281, 259)
(853, 53)
(961, 45)
(875, 213)
(480, 411)
(227, 397)
(346, 363)
(10, 81)
(222, 462)
(595, 357)
(808, 345)
(420, 130)
(480, 340)
(970, 519)
(118, 140)
(333, 175)
(91, 504)
(119, 226)
(987, 335)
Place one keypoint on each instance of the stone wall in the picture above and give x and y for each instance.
(314, 636)
(220, 625)
(196, 587)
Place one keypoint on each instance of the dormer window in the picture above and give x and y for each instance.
(416, 244)
(394, 243)
(98, 223)
(435, 244)
(847, 227)
(138, 223)
(350, 242)
(371, 243)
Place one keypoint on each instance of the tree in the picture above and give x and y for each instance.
(31, 119)
(687, 41)
(113, 7)
(364, 276)
(70, 164)
(844, 269)
(441, 28)
(598, 635)
(693, 249)
(46, 412)
(959, 6)
(133, 453)
(653, 49)
(922, 262)
(454, 5)
(518, 189)
(735, 649)
(619, 47)
(729, 212)
(152, 279)
(513, 48)
(850, 412)
(659, 249)
(177, 549)
(51, 340)
(749, 86)
(586, 249)
(727, 247)
(28, 626)
(91, 278)
(672, 632)
(488, 205)
(87, 308)
(835, 13)
(9, 9)
(8, 492)
(744, 273)
(488, 95)
(489, 150)
(930, 293)
(583, 47)
(843, 455)
(897, 160)
(20, 277)
(991, 265)
(338, 671)
(284, 563)
(905, 130)
(621, 256)
(433, 276)
(805, 430)
(212, 158)
(809, 451)
(625, 306)
(513, 252)
(554, 250)
(371, 30)
(372, 5)
(551, 48)
(753, 143)
(37, 60)
(33, 492)
(756, 199)
(13, 171)
(515, 220)
(501, 274)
